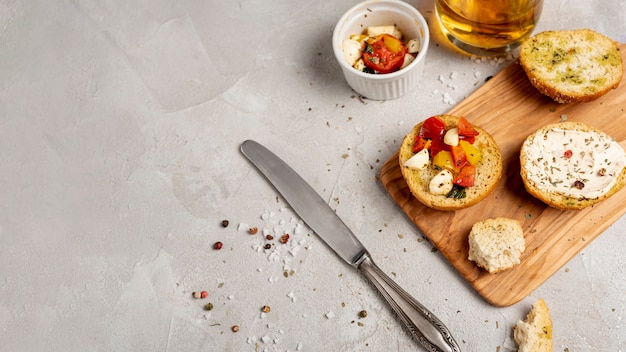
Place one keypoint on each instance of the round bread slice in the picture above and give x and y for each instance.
(496, 244)
(572, 65)
(488, 170)
(571, 165)
(535, 333)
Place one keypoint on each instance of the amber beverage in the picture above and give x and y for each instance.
(487, 27)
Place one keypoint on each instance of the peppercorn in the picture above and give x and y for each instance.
(203, 294)
(225, 223)
(217, 246)
(253, 230)
(363, 313)
(579, 184)
(196, 295)
(267, 246)
(265, 309)
(284, 238)
(269, 237)
(235, 328)
(208, 306)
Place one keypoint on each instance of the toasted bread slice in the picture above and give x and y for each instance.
(535, 333)
(571, 165)
(572, 65)
(488, 170)
(496, 244)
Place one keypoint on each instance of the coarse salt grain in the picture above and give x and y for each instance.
(251, 340)
(243, 227)
(453, 75)
(265, 339)
(299, 346)
(441, 79)
(330, 315)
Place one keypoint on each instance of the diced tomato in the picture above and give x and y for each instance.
(420, 143)
(437, 145)
(384, 54)
(466, 129)
(458, 156)
(466, 177)
(432, 128)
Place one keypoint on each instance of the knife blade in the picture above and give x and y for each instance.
(423, 325)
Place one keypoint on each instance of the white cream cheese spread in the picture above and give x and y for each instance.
(575, 164)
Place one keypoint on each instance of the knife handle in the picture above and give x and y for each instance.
(425, 327)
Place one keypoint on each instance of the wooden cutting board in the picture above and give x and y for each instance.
(510, 109)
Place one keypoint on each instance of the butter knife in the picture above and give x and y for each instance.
(423, 325)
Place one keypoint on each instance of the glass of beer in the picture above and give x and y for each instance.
(487, 27)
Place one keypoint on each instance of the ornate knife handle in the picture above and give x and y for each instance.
(421, 323)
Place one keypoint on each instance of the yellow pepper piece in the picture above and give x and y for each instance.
(393, 43)
(443, 160)
(472, 153)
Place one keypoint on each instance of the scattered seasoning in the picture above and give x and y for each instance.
(203, 294)
(269, 237)
(197, 295)
(363, 313)
(602, 172)
(208, 306)
(253, 230)
(267, 246)
(235, 328)
(265, 309)
(579, 184)
(284, 238)
(225, 223)
(217, 245)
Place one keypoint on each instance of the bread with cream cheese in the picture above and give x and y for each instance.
(496, 244)
(534, 334)
(571, 165)
(572, 65)
(489, 170)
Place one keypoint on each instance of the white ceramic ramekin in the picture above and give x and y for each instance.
(378, 13)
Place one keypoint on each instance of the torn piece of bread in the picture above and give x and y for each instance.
(572, 65)
(535, 333)
(496, 244)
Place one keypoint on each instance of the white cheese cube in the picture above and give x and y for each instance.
(359, 65)
(413, 46)
(452, 137)
(351, 51)
(419, 161)
(408, 58)
(378, 30)
(441, 184)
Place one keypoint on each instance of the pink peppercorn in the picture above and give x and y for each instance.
(217, 245)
